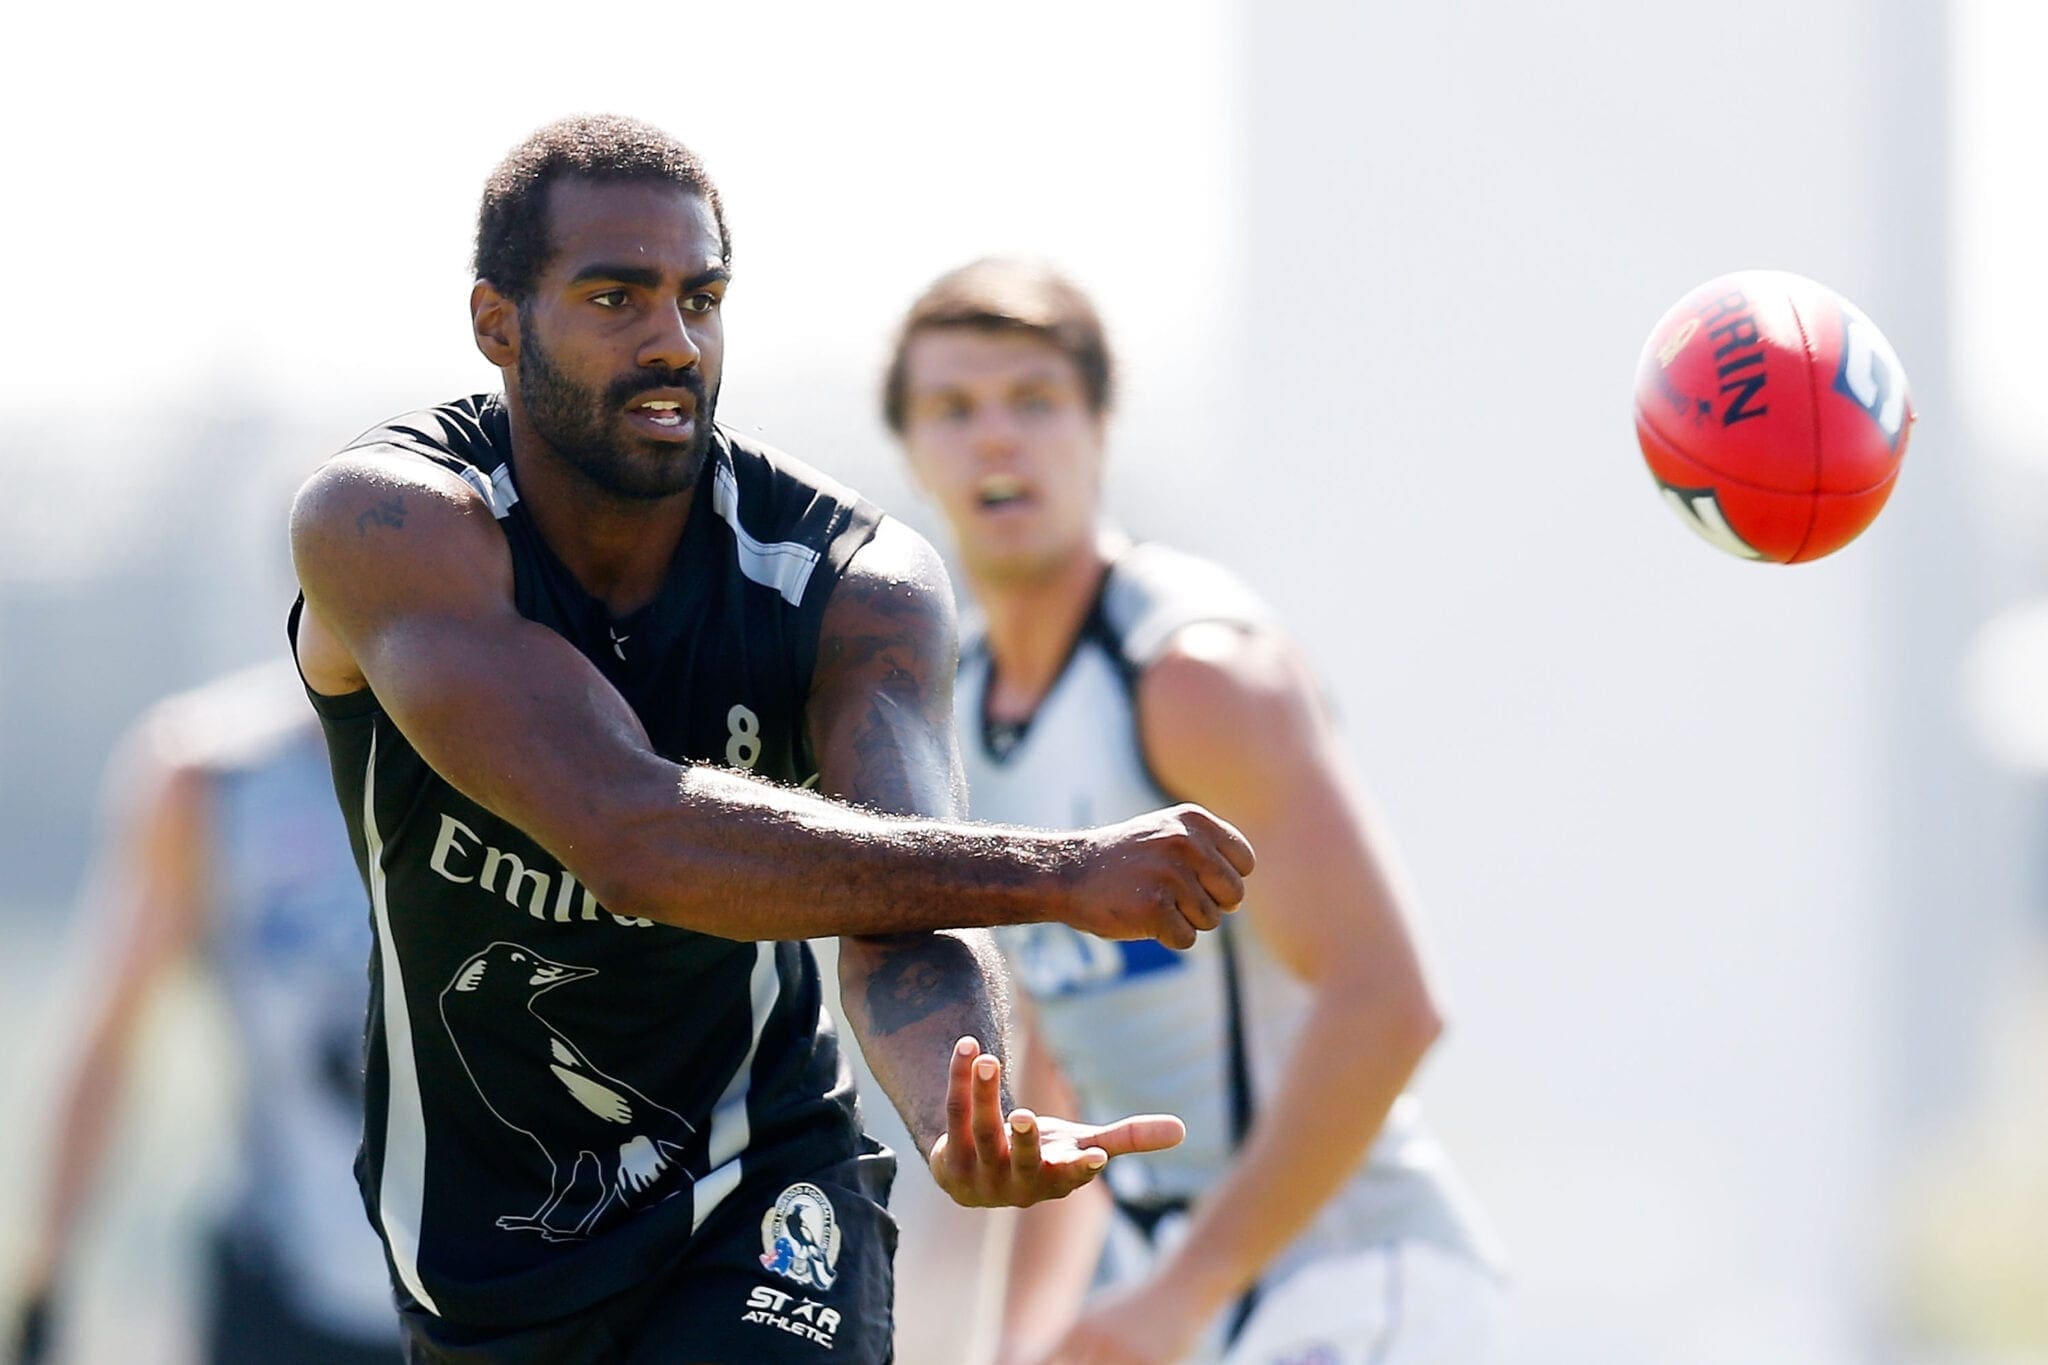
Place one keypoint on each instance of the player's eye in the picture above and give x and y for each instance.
(610, 298)
(1034, 402)
(700, 303)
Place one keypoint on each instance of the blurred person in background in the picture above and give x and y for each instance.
(1309, 1216)
(223, 845)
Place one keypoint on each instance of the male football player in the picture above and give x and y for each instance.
(577, 651)
(1308, 1211)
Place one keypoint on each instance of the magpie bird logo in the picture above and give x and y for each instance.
(800, 1237)
(539, 1083)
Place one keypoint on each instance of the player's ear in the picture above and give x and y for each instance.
(494, 319)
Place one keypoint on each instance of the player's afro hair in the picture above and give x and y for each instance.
(512, 241)
(1006, 294)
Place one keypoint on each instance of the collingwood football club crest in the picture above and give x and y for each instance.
(800, 1237)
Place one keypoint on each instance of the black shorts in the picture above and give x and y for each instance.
(795, 1271)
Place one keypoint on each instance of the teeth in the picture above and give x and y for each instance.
(1000, 488)
(661, 405)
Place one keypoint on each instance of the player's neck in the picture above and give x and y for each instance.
(619, 549)
(1031, 624)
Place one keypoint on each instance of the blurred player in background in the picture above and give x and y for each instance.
(1308, 1216)
(224, 845)
(577, 649)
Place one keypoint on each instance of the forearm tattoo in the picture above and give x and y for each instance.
(921, 975)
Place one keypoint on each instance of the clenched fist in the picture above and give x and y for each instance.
(1169, 875)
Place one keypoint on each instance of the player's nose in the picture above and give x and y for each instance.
(992, 432)
(668, 343)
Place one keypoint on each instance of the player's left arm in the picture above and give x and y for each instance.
(932, 1009)
(1232, 718)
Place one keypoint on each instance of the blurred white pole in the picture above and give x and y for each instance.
(2005, 686)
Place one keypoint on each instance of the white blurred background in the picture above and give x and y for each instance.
(1741, 920)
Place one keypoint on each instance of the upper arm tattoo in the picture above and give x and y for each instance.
(886, 681)
(385, 512)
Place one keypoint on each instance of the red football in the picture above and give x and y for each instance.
(1773, 414)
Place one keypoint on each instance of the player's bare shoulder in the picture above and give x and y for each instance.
(366, 498)
(1224, 682)
(1218, 678)
(379, 532)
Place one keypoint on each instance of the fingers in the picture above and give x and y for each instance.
(959, 1095)
(1024, 1150)
(1235, 848)
(1209, 894)
(1222, 875)
(1068, 1169)
(1216, 859)
(1174, 874)
(986, 1120)
(1220, 882)
(1177, 928)
(1048, 1158)
(1198, 909)
(1140, 1133)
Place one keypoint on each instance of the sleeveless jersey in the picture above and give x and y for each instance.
(559, 1097)
(288, 933)
(1201, 1033)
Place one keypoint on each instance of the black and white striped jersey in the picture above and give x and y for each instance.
(558, 1097)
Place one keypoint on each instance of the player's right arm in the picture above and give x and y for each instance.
(408, 586)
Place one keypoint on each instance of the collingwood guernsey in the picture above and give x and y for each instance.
(558, 1097)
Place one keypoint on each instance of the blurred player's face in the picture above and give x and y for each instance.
(999, 432)
(621, 343)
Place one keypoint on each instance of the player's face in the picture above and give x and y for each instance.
(999, 432)
(621, 343)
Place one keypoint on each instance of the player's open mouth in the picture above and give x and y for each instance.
(665, 415)
(1000, 491)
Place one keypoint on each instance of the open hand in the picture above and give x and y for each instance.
(983, 1161)
(1167, 875)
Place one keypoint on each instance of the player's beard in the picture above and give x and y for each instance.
(586, 427)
